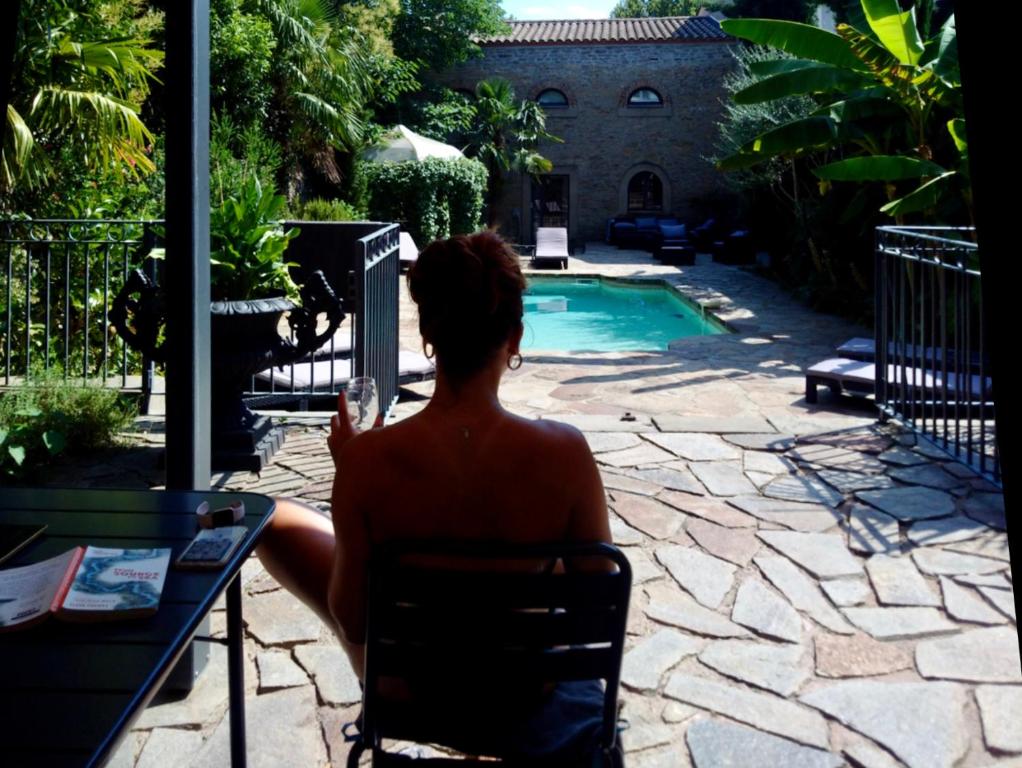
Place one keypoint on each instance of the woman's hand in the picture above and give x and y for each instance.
(341, 430)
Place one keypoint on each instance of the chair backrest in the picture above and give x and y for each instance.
(551, 241)
(454, 615)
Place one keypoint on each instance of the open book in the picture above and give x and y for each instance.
(84, 584)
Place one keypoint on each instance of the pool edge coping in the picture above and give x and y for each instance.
(708, 306)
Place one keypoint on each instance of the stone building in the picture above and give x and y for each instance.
(636, 102)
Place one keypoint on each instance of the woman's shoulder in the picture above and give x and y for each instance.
(552, 432)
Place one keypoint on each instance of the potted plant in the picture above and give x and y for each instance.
(251, 288)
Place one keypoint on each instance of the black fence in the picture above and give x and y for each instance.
(932, 363)
(60, 276)
(361, 261)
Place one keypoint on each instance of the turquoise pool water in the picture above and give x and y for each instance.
(575, 314)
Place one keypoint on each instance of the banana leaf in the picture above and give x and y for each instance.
(814, 79)
(878, 168)
(896, 29)
(923, 197)
(800, 40)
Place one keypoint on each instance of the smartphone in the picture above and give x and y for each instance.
(211, 547)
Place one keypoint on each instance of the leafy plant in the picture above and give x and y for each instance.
(889, 105)
(434, 198)
(247, 246)
(318, 209)
(54, 416)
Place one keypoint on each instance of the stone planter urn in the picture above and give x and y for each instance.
(244, 339)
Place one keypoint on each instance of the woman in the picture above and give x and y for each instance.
(462, 468)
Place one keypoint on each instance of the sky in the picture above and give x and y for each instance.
(524, 10)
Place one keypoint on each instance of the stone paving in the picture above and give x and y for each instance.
(810, 588)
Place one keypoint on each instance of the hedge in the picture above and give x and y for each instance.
(432, 199)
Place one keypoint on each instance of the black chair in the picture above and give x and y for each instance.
(477, 634)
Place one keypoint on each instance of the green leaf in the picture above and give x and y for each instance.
(863, 107)
(818, 78)
(944, 49)
(878, 168)
(896, 29)
(923, 197)
(28, 411)
(777, 66)
(796, 136)
(3, 435)
(54, 441)
(956, 128)
(800, 40)
(17, 452)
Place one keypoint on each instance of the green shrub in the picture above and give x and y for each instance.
(432, 199)
(319, 209)
(53, 416)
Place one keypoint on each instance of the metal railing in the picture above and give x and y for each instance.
(59, 279)
(361, 261)
(932, 364)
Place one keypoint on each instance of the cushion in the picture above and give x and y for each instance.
(671, 222)
(643, 222)
(673, 232)
(623, 225)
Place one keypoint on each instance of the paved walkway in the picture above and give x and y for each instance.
(811, 589)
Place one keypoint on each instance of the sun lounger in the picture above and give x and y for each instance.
(551, 248)
(409, 251)
(861, 348)
(859, 378)
(326, 375)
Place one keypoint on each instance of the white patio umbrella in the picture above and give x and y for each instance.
(401, 144)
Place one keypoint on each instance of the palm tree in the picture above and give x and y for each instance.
(76, 92)
(504, 136)
(321, 84)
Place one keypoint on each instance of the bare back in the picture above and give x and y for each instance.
(501, 478)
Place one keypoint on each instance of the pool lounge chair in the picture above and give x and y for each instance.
(861, 348)
(857, 377)
(551, 248)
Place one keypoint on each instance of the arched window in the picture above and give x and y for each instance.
(645, 192)
(645, 97)
(552, 98)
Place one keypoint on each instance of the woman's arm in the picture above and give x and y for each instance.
(348, 579)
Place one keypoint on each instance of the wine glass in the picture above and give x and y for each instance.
(363, 402)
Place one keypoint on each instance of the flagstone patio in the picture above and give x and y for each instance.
(811, 588)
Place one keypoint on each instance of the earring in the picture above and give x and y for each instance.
(428, 352)
(514, 362)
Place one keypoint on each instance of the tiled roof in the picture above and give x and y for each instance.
(663, 29)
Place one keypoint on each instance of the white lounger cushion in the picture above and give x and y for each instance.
(551, 241)
(319, 375)
(856, 372)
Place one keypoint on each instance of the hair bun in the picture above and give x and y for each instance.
(469, 293)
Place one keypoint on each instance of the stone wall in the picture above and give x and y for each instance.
(605, 141)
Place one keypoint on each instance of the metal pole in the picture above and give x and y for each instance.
(236, 672)
(187, 267)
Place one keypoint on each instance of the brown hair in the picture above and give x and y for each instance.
(469, 293)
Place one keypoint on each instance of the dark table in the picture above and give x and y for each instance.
(69, 692)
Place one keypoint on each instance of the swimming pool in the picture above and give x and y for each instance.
(592, 314)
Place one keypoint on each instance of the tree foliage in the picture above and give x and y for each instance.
(437, 34)
(635, 9)
(80, 79)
